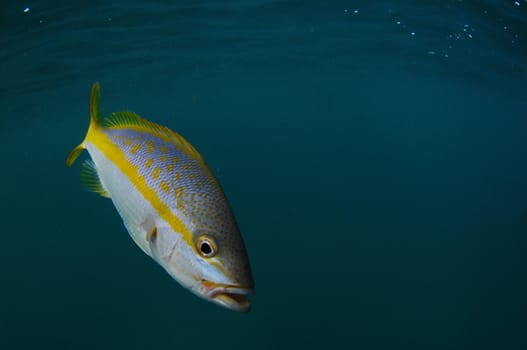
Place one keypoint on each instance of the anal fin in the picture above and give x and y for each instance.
(91, 179)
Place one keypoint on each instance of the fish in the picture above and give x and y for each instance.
(170, 202)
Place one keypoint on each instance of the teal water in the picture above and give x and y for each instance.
(378, 176)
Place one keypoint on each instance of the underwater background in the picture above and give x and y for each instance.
(374, 154)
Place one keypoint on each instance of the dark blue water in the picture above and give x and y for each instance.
(374, 153)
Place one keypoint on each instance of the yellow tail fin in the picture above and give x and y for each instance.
(74, 154)
(95, 120)
(95, 104)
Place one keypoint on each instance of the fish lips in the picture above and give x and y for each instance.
(230, 296)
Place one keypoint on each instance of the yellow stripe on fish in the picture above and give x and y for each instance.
(111, 150)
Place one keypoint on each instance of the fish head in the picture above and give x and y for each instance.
(225, 275)
(213, 265)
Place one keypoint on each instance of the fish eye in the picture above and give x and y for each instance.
(206, 246)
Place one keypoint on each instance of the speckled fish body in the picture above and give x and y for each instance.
(170, 202)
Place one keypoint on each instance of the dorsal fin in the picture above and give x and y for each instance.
(126, 119)
(91, 179)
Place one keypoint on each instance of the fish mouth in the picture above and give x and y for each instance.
(230, 296)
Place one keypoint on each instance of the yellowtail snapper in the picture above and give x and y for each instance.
(170, 202)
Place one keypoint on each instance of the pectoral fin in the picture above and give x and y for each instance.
(151, 235)
(142, 234)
